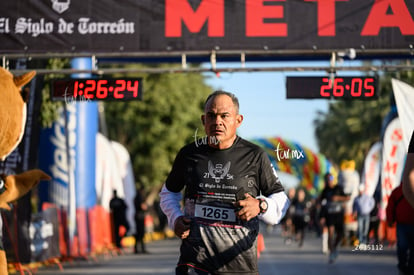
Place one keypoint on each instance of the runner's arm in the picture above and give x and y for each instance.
(277, 205)
(170, 205)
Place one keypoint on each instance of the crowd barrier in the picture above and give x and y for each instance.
(50, 242)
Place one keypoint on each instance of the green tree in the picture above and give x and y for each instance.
(349, 128)
(49, 108)
(154, 129)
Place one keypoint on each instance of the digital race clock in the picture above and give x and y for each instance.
(349, 87)
(96, 89)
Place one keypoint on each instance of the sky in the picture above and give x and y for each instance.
(263, 104)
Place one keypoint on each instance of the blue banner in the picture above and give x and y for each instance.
(57, 157)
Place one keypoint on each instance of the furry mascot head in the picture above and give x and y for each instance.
(12, 124)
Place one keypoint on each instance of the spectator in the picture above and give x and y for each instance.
(140, 212)
(118, 208)
(399, 211)
(374, 222)
(362, 207)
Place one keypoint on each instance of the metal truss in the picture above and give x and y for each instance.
(214, 58)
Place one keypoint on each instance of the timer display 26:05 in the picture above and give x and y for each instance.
(347, 87)
(355, 87)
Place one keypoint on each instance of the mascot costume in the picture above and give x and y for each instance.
(12, 124)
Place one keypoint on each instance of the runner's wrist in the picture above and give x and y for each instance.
(263, 205)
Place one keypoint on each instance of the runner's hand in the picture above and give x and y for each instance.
(182, 227)
(249, 208)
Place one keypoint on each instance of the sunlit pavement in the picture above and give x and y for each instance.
(277, 258)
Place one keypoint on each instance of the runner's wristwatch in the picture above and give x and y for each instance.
(262, 205)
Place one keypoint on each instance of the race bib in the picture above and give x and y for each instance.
(215, 213)
(334, 208)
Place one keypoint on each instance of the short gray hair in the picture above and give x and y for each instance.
(221, 92)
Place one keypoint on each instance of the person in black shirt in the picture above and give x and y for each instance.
(333, 197)
(228, 184)
(118, 208)
(300, 216)
(139, 217)
(374, 222)
(286, 222)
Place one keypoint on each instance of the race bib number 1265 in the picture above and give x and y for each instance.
(215, 213)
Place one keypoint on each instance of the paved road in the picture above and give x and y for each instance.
(277, 258)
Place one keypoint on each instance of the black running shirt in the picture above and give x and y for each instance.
(213, 180)
(333, 207)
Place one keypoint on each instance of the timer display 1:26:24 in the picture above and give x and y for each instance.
(97, 89)
(100, 89)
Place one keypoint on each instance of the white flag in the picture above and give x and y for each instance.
(372, 167)
(393, 155)
(108, 177)
(127, 174)
(404, 97)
